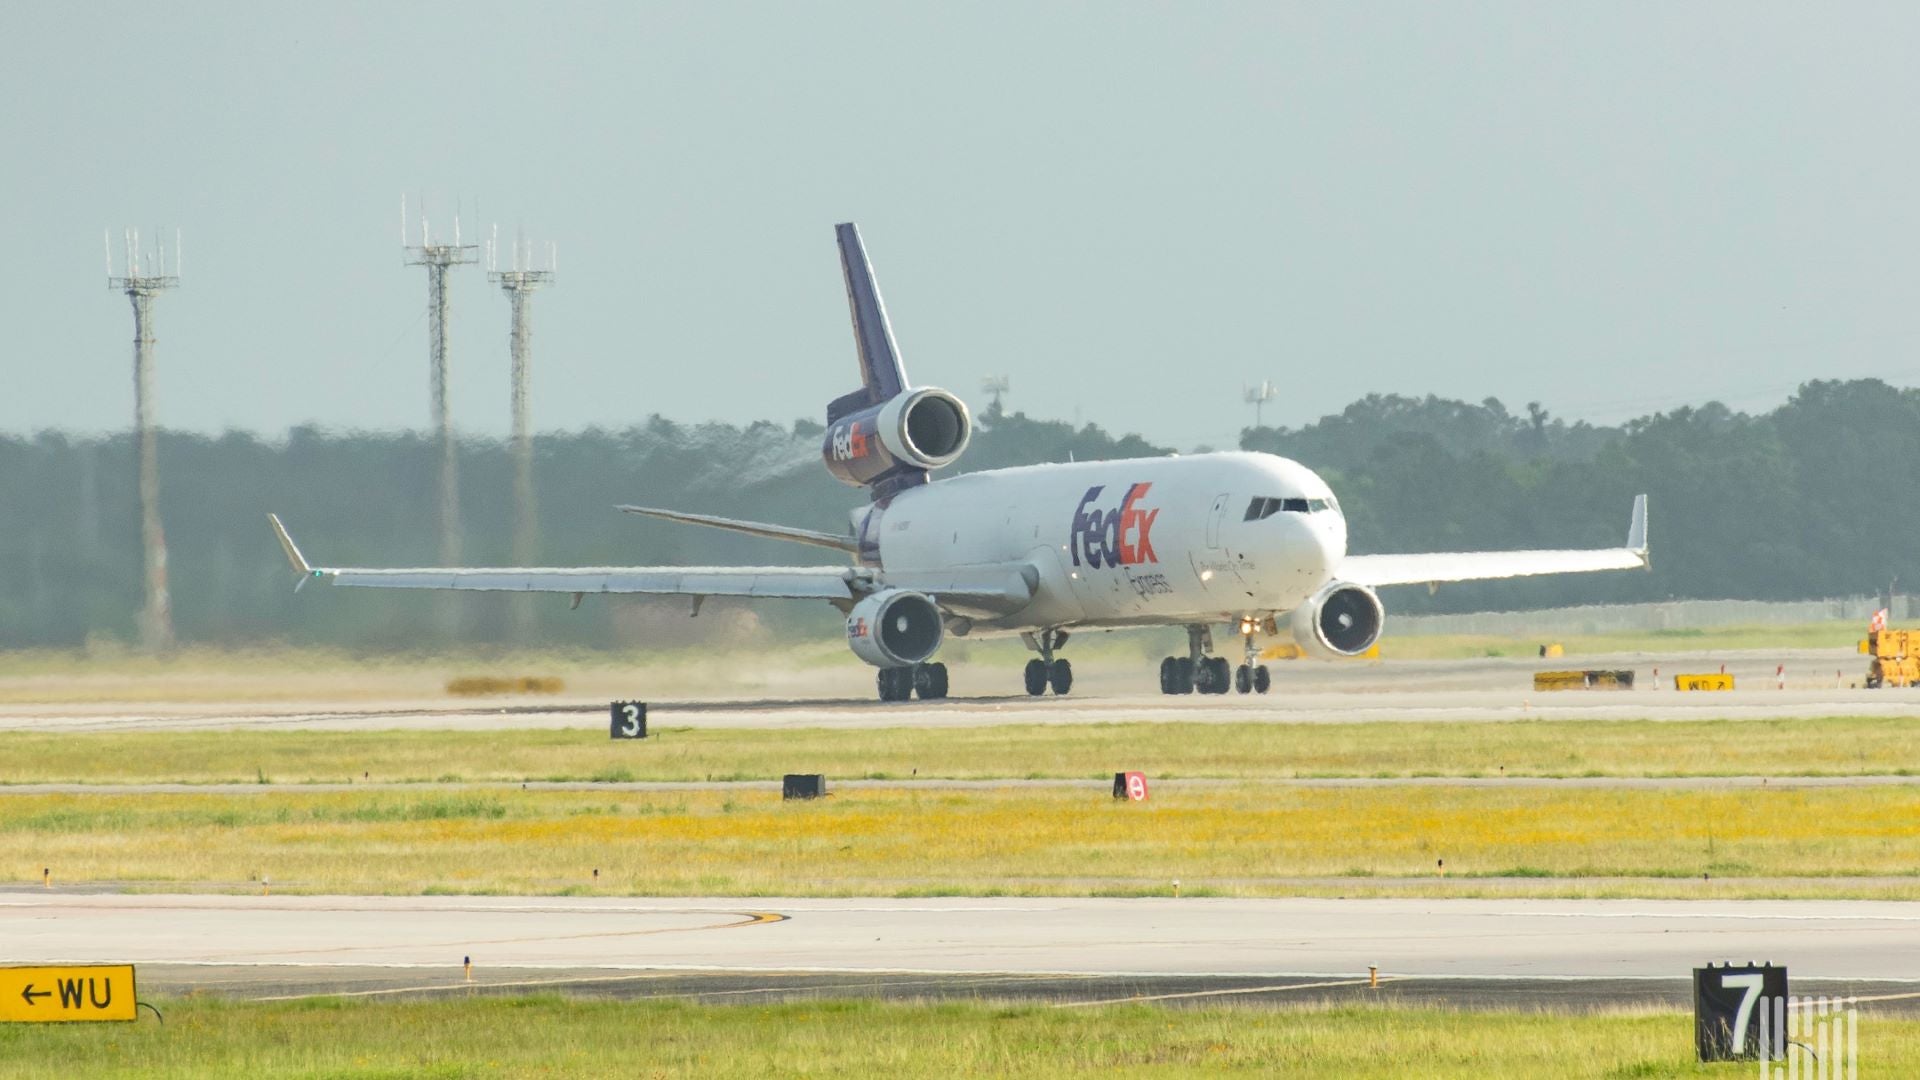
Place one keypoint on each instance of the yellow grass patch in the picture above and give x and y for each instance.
(1259, 841)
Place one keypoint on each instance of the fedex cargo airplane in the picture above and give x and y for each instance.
(1252, 542)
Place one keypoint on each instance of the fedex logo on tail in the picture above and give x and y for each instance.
(1120, 536)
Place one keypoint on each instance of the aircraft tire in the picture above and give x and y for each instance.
(1262, 681)
(1060, 677)
(1243, 679)
(896, 684)
(1168, 669)
(930, 681)
(1219, 675)
(1183, 675)
(1036, 676)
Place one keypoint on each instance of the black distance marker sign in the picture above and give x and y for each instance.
(629, 720)
(1726, 1009)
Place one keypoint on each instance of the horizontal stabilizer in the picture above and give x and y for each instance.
(753, 528)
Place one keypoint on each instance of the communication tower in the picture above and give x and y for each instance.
(147, 275)
(998, 386)
(518, 282)
(438, 257)
(1258, 396)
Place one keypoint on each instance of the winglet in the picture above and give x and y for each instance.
(1637, 529)
(292, 549)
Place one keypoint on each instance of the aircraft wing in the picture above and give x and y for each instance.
(972, 589)
(1488, 565)
(772, 582)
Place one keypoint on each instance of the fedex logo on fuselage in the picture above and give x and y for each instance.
(1122, 536)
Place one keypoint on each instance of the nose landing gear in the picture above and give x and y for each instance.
(1251, 677)
(1046, 671)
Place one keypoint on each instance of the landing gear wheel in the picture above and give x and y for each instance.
(1036, 675)
(1219, 675)
(1183, 675)
(930, 681)
(1261, 679)
(1060, 677)
(1166, 674)
(896, 683)
(1243, 679)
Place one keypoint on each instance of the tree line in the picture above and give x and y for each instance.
(1803, 501)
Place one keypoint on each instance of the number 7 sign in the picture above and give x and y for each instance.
(1724, 1000)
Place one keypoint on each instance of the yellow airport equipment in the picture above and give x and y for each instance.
(1896, 658)
(1287, 650)
(66, 993)
(479, 685)
(1720, 681)
(1553, 651)
(1583, 680)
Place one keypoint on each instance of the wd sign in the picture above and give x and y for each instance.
(39, 995)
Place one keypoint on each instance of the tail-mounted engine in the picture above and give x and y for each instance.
(894, 628)
(1341, 620)
(917, 430)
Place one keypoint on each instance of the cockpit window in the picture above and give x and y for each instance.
(1267, 506)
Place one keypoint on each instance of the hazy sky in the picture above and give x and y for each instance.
(1131, 210)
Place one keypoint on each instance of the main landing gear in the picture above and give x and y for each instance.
(901, 683)
(1198, 672)
(1046, 671)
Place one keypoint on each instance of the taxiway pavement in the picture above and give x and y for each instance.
(1147, 937)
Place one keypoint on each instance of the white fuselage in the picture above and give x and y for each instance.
(1130, 542)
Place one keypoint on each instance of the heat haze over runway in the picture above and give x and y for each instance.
(1818, 683)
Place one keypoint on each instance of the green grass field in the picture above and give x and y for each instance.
(1236, 840)
(1845, 746)
(555, 1037)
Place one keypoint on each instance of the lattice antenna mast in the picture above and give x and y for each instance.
(147, 275)
(998, 386)
(1258, 396)
(438, 257)
(519, 281)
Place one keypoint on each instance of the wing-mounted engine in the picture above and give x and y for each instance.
(895, 628)
(912, 432)
(1341, 620)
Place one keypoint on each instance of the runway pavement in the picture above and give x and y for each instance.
(1818, 684)
(1496, 951)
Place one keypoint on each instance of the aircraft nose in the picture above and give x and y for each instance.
(1305, 551)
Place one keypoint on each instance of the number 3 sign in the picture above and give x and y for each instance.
(629, 720)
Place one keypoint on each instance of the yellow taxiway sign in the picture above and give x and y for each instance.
(38, 995)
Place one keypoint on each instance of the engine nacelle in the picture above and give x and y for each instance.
(1341, 620)
(921, 429)
(894, 628)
